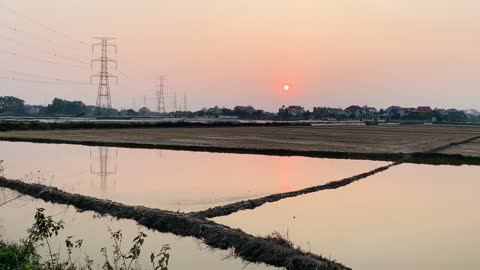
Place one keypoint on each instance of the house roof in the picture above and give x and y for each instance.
(394, 108)
(353, 108)
(424, 109)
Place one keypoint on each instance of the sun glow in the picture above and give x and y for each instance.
(286, 87)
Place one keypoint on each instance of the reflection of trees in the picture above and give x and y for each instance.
(102, 169)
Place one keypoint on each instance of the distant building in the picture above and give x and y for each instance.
(295, 110)
(245, 109)
(398, 112)
(424, 109)
(355, 111)
(369, 110)
(394, 111)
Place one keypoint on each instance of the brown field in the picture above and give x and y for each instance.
(351, 140)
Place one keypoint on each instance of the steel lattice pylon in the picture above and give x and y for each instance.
(104, 99)
(160, 93)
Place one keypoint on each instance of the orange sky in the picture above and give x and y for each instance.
(332, 53)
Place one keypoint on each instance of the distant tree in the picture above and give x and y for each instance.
(307, 114)
(60, 106)
(226, 111)
(283, 112)
(457, 116)
(11, 105)
(102, 111)
(321, 112)
(437, 116)
(131, 112)
(144, 111)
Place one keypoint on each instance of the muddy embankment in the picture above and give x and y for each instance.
(36, 125)
(269, 250)
(254, 203)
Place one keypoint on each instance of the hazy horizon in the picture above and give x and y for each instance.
(363, 52)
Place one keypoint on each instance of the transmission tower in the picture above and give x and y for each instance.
(161, 94)
(185, 107)
(103, 169)
(175, 108)
(104, 100)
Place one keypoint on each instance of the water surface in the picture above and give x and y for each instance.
(186, 253)
(172, 180)
(408, 217)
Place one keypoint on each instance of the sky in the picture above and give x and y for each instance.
(228, 53)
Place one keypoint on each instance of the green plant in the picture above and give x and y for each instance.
(25, 256)
(160, 260)
(125, 261)
(40, 233)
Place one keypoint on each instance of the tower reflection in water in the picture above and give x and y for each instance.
(103, 163)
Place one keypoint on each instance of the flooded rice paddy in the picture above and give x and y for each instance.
(186, 253)
(170, 180)
(409, 216)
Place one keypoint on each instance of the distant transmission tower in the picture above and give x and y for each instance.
(185, 107)
(104, 100)
(175, 108)
(161, 94)
(103, 170)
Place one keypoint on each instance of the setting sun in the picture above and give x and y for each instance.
(286, 87)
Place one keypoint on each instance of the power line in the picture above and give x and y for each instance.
(122, 73)
(18, 30)
(10, 78)
(45, 51)
(27, 74)
(49, 41)
(40, 24)
(37, 59)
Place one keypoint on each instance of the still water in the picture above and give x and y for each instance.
(170, 180)
(186, 253)
(408, 217)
